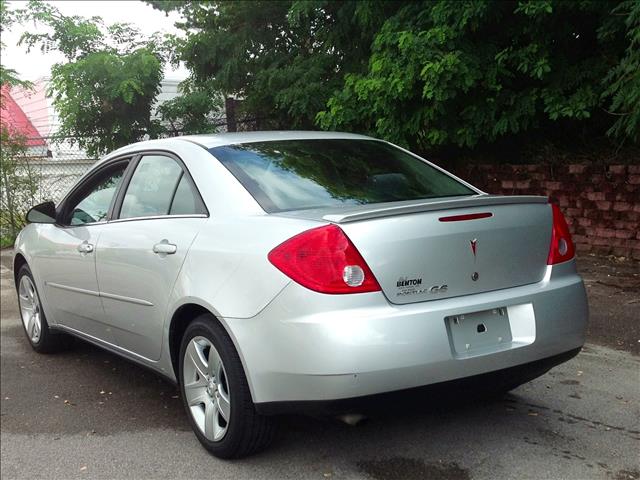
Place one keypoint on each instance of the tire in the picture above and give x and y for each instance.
(215, 393)
(34, 322)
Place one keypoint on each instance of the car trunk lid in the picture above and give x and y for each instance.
(429, 250)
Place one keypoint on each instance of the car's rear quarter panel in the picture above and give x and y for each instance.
(227, 266)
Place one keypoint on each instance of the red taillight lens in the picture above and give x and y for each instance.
(324, 260)
(562, 248)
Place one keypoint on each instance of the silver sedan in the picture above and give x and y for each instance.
(278, 272)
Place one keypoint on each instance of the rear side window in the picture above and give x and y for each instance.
(151, 187)
(185, 200)
(298, 174)
(159, 186)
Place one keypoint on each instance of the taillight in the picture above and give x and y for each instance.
(562, 248)
(324, 260)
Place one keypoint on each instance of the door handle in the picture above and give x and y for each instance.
(85, 247)
(164, 247)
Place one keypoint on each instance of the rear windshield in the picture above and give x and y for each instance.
(301, 174)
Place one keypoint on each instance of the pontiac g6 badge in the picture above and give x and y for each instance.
(474, 250)
(474, 246)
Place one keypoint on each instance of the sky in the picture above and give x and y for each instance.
(35, 64)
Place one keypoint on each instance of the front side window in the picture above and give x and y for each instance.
(93, 206)
(297, 174)
(151, 188)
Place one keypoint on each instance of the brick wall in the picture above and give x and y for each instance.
(601, 203)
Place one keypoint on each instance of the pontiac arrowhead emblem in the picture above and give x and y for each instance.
(474, 246)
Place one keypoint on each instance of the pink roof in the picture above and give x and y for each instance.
(12, 116)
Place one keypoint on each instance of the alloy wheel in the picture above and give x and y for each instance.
(206, 388)
(30, 308)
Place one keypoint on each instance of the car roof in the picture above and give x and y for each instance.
(221, 139)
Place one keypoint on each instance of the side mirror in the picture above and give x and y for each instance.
(43, 213)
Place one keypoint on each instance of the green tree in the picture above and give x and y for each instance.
(8, 76)
(18, 181)
(193, 111)
(462, 73)
(105, 90)
(282, 58)
(622, 83)
(430, 73)
(19, 184)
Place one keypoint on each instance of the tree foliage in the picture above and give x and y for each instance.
(283, 58)
(8, 76)
(464, 73)
(622, 82)
(193, 111)
(18, 184)
(18, 181)
(431, 73)
(105, 91)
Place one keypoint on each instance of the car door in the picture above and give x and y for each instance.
(66, 252)
(140, 252)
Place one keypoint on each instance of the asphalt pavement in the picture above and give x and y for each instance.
(88, 414)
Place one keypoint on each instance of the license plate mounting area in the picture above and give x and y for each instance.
(481, 332)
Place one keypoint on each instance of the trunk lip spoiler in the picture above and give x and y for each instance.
(482, 200)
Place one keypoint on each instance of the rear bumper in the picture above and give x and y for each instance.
(308, 347)
(462, 388)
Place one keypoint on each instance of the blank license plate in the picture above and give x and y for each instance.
(486, 330)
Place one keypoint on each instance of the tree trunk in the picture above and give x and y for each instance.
(230, 109)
